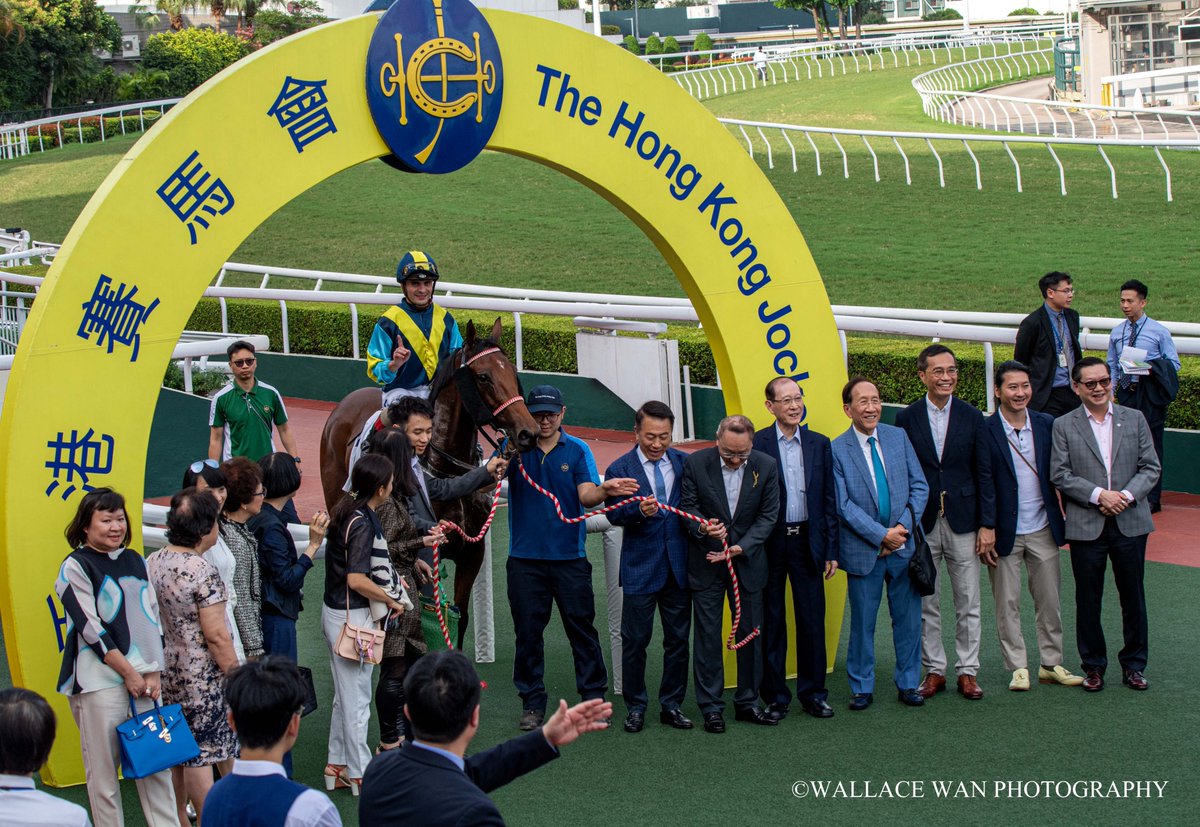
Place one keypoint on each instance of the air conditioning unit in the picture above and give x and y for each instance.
(131, 46)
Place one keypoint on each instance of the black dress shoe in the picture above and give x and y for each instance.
(860, 702)
(778, 711)
(1155, 508)
(1094, 681)
(634, 722)
(675, 718)
(714, 722)
(754, 715)
(818, 709)
(1134, 679)
(910, 697)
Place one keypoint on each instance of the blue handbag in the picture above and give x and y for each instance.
(155, 740)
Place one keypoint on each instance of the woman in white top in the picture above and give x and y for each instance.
(206, 475)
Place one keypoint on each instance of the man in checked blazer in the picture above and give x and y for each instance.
(881, 492)
(654, 551)
(1103, 461)
(736, 489)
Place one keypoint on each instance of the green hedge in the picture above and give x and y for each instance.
(549, 345)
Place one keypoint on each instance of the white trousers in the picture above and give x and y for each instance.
(97, 715)
(611, 538)
(351, 695)
(1038, 551)
(962, 568)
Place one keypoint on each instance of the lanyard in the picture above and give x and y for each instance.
(1059, 342)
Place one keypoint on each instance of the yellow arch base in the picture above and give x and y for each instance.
(79, 404)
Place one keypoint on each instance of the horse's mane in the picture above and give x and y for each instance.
(444, 374)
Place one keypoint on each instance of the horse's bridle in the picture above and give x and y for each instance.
(476, 408)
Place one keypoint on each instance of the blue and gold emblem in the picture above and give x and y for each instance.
(434, 83)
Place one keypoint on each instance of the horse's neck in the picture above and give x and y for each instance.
(453, 429)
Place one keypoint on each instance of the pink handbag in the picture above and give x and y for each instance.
(361, 643)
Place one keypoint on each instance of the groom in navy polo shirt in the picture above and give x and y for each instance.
(547, 560)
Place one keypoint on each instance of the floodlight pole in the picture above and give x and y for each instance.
(596, 17)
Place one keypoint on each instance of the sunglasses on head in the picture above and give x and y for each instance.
(196, 466)
(243, 363)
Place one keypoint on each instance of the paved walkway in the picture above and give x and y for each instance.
(1174, 541)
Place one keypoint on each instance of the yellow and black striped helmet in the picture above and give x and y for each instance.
(416, 265)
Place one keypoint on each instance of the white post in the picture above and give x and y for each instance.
(483, 619)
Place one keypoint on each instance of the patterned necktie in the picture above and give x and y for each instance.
(1067, 350)
(1126, 381)
(660, 484)
(881, 484)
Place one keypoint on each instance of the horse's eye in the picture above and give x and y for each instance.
(485, 378)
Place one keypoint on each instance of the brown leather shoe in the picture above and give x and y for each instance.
(1094, 681)
(1134, 679)
(968, 688)
(933, 684)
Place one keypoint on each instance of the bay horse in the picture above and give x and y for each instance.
(473, 387)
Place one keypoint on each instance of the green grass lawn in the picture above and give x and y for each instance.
(664, 776)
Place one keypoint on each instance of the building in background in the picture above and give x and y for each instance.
(1144, 53)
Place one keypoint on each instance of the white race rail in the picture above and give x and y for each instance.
(15, 139)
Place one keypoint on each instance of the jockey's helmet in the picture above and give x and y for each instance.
(416, 265)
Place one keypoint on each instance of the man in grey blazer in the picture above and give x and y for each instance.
(881, 492)
(1104, 463)
(736, 489)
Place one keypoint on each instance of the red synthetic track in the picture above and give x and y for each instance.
(1174, 541)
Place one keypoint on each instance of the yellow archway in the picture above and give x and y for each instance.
(86, 376)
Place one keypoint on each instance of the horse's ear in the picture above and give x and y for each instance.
(469, 339)
(496, 331)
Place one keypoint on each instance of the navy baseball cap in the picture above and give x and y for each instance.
(545, 399)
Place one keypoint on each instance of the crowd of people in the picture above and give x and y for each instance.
(209, 621)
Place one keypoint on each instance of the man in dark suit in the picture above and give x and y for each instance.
(428, 781)
(1105, 465)
(653, 567)
(802, 548)
(959, 520)
(880, 487)
(1048, 343)
(1029, 529)
(736, 490)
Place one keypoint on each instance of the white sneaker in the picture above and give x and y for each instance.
(1020, 680)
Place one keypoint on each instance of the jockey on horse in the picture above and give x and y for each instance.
(415, 327)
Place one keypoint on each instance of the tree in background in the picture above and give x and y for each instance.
(873, 14)
(941, 14)
(631, 44)
(49, 43)
(810, 6)
(173, 9)
(191, 56)
(671, 45)
(654, 45)
(271, 25)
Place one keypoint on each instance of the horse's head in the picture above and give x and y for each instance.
(491, 390)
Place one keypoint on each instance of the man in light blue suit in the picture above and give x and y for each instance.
(880, 487)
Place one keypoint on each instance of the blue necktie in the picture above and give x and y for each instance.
(881, 485)
(660, 484)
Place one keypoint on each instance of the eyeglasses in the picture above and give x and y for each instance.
(243, 363)
(731, 455)
(788, 401)
(546, 415)
(199, 464)
(260, 493)
(942, 373)
(1097, 383)
(1070, 291)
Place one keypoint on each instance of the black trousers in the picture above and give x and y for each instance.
(708, 644)
(534, 587)
(390, 699)
(792, 560)
(1062, 401)
(1156, 418)
(1089, 562)
(674, 606)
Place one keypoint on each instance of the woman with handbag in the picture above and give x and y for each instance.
(197, 644)
(355, 641)
(108, 661)
(206, 475)
(405, 641)
(283, 570)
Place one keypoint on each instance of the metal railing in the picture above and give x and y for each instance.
(950, 141)
(838, 57)
(15, 139)
(947, 95)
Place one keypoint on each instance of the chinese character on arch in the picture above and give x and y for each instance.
(191, 191)
(115, 315)
(301, 109)
(78, 456)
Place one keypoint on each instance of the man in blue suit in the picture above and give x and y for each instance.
(1029, 529)
(429, 780)
(653, 568)
(880, 490)
(802, 548)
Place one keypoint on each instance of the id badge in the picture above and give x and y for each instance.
(1062, 358)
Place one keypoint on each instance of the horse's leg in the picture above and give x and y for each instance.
(466, 569)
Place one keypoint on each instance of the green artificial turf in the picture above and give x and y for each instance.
(665, 776)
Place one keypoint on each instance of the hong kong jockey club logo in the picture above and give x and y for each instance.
(434, 83)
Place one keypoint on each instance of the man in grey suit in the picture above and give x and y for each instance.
(736, 489)
(1104, 463)
(881, 491)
